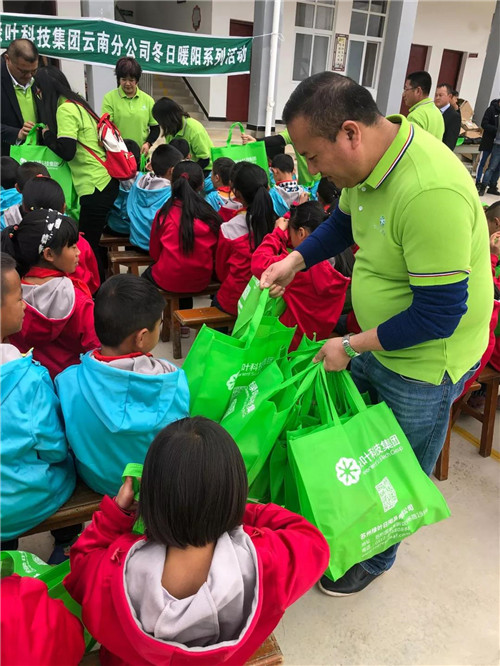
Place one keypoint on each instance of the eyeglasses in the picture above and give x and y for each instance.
(23, 72)
(412, 88)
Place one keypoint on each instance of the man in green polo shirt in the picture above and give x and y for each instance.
(18, 108)
(423, 111)
(421, 287)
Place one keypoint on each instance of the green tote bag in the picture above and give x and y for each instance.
(254, 152)
(359, 481)
(57, 167)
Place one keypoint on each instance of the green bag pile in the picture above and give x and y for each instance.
(254, 152)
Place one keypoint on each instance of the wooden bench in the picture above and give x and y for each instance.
(491, 378)
(269, 654)
(172, 304)
(132, 259)
(112, 244)
(195, 318)
(78, 509)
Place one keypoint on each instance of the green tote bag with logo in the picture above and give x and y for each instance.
(359, 481)
(254, 152)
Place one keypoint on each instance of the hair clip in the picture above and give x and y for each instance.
(185, 175)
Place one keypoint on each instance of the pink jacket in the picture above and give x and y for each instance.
(291, 556)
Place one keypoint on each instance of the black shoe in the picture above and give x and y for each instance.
(354, 580)
(493, 190)
(481, 189)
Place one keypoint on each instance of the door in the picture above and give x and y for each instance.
(238, 87)
(416, 63)
(451, 63)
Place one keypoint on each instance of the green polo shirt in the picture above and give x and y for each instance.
(426, 115)
(132, 115)
(303, 176)
(200, 144)
(74, 122)
(26, 103)
(418, 221)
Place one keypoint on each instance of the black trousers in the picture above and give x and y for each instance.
(94, 209)
(62, 536)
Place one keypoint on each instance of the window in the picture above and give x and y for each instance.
(313, 34)
(368, 19)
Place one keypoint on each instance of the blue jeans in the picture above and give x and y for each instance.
(422, 411)
(484, 156)
(492, 173)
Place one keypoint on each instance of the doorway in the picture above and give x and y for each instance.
(238, 87)
(451, 63)
(416, 63)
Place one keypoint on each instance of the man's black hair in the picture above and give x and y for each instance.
(327, 100)
(7, 264)
(22, 48)
(493, 210)
(182, 146)
(449, 89)
(194, 484)
(222, 167)
(420, 80)
(283, 162)
(8, 172)
(134, 148)
(125, 304)
(28, 170)
(164, 158)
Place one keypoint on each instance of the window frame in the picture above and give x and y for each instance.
(320, 32)
(365, 39)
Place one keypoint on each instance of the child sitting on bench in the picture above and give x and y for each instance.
(59, 317)
(120, 396)
(24, 172)
(221, 194)
(286, 185)
(149, 193)
(118, 221)
(316, 297)
(37, 472)
(214, 575)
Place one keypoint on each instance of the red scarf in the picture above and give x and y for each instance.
(225, 188)
(39, 272)
(107, 359)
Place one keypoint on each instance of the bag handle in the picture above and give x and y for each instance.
(143, 162)
(230, 133)
(325, 401)
(31, 136)
(135, 471)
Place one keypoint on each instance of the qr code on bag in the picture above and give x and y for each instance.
(387, 494)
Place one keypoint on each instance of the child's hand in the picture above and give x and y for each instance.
(247, 138)
(125, 498)
(495, 243)
(281, 223)
(303, 197)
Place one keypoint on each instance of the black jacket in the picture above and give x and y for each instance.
(12, 120)
(452, 124)
(489, 124)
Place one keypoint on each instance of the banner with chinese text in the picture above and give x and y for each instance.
(101, 41)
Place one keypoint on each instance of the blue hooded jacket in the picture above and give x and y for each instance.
(114, 410)
(146, 197)
(8, 198)
(37, 472)
(118, 219)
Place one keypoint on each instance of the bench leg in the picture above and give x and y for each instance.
(443, 462)
(134, 269)
(176, 338)
(490, 407)
(167, 322)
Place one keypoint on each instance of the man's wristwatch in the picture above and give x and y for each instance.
(346, 344)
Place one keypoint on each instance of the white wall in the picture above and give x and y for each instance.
(74, 71)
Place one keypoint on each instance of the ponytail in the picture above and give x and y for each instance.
(252, 183)
(187, 179)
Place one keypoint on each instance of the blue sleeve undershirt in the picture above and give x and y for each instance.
(435, 311)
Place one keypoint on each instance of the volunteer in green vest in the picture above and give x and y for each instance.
(421, 287)
(423, 112)
(19, 103)
(70, 128)
(177, 123)
(131, 108)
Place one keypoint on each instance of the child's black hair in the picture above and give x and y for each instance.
(283, 162)
(164, 158)
(310, 215)
(328, 192)
(194, 484)
(43, 192)
(125, 304)
(251, 182)
(8, 172)
(7, 264)
(29, 170)
(27, 241)
(134, 148)
(187, 181)
(182, 146)
(493, 211)
(222, 167)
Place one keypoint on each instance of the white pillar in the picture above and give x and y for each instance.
(489, 85)
(397, 45)
(100, 80)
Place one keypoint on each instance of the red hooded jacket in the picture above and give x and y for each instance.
(87, 269)
(173, 270)
(314, 299)
(58, 321)
(35, 628)
(291, 556)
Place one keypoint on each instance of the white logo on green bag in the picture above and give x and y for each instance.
(348, 471)
(232, 381)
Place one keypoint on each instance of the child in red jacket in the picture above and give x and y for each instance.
(184, 236)
(59, 316)
(316, 297)
(241, 235)
(213, 576)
